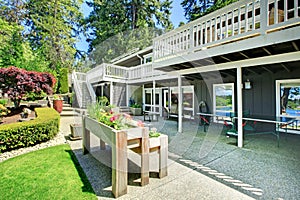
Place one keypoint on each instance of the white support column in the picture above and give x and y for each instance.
(179, 104)
(154, 100)
(160, 102)
(127, 95)
(143, 96)
(239, 105)
(111, 93)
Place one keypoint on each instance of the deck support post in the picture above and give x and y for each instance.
(153, 97)
(179, 104)
(239, 105)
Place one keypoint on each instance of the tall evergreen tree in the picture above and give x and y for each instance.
(128, 21)
(13, 11)
(53, 28)
(197, 8)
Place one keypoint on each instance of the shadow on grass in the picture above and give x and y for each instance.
(86, 184)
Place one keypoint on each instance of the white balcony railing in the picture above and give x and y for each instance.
(109, 71)
(143, 71)
(245, 18)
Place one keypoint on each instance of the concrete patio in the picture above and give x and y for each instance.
(206, 166)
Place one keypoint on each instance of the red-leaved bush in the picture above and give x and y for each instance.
(18, 82)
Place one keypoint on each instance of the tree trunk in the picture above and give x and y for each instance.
(284, 99)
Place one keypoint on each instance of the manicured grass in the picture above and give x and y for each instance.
(51, 173)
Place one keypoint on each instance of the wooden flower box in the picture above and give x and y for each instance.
(135, 139)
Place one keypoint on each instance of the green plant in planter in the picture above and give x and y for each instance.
(136, 105)
(136, 109)
(57, 97)
(153, 132)
(103, 101)
(115, 120)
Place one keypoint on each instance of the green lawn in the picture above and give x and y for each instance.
(51, 173)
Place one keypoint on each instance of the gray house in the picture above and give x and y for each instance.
(243, 57)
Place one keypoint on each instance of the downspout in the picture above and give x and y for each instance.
(141, 58)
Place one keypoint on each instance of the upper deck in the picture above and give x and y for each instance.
(237, 28)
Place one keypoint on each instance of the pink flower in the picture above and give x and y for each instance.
(112, 119)
(140, 123)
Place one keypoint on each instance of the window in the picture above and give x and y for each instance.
(223, 99)
(288, 102)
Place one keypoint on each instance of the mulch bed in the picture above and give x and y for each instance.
(14, 116)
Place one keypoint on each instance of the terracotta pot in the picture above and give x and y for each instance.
(58, 105)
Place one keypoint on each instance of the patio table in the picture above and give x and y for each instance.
(280, 125)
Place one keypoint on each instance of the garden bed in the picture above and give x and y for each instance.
(14, 116)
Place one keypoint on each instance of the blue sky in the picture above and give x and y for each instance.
(177, 16)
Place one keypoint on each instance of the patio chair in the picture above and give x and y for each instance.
(166, 113)
(248, 126)
(146, 114)
(204, 120)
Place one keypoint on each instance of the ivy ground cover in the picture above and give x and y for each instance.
(51, 173)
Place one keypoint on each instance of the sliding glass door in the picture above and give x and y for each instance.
(288, 102)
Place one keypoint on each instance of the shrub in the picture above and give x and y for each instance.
(63, 80)
(3, 101)
(3, 111)
(19, 82)
(24, 134)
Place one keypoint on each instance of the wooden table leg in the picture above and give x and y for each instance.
(102, 145)
(145, 157)
(119, 164)
(86, 139)
(163, 157)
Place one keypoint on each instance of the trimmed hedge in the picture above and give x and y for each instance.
(23, 134)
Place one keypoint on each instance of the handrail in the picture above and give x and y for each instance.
(242, 19)
(91, 91)
(77, 88)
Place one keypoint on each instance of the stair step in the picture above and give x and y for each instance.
(68, 109)
(68, 113)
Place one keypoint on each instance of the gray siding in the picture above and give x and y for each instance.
(119, 94)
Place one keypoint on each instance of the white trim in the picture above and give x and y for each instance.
(277, 98)
(214, 96)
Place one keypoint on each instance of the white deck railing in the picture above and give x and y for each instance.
(245, 18)
(105, 71)
(143, 71)
(76, 78)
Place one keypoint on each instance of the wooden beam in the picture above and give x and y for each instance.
(252, 71)
(261, 61)
(295, 46)
(244, 55)
(268, 70)
(267, 51)
(285, 67)
(225, 58)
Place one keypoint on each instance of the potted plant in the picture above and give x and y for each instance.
(58, 102)
(136, 109)
(26, 112)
